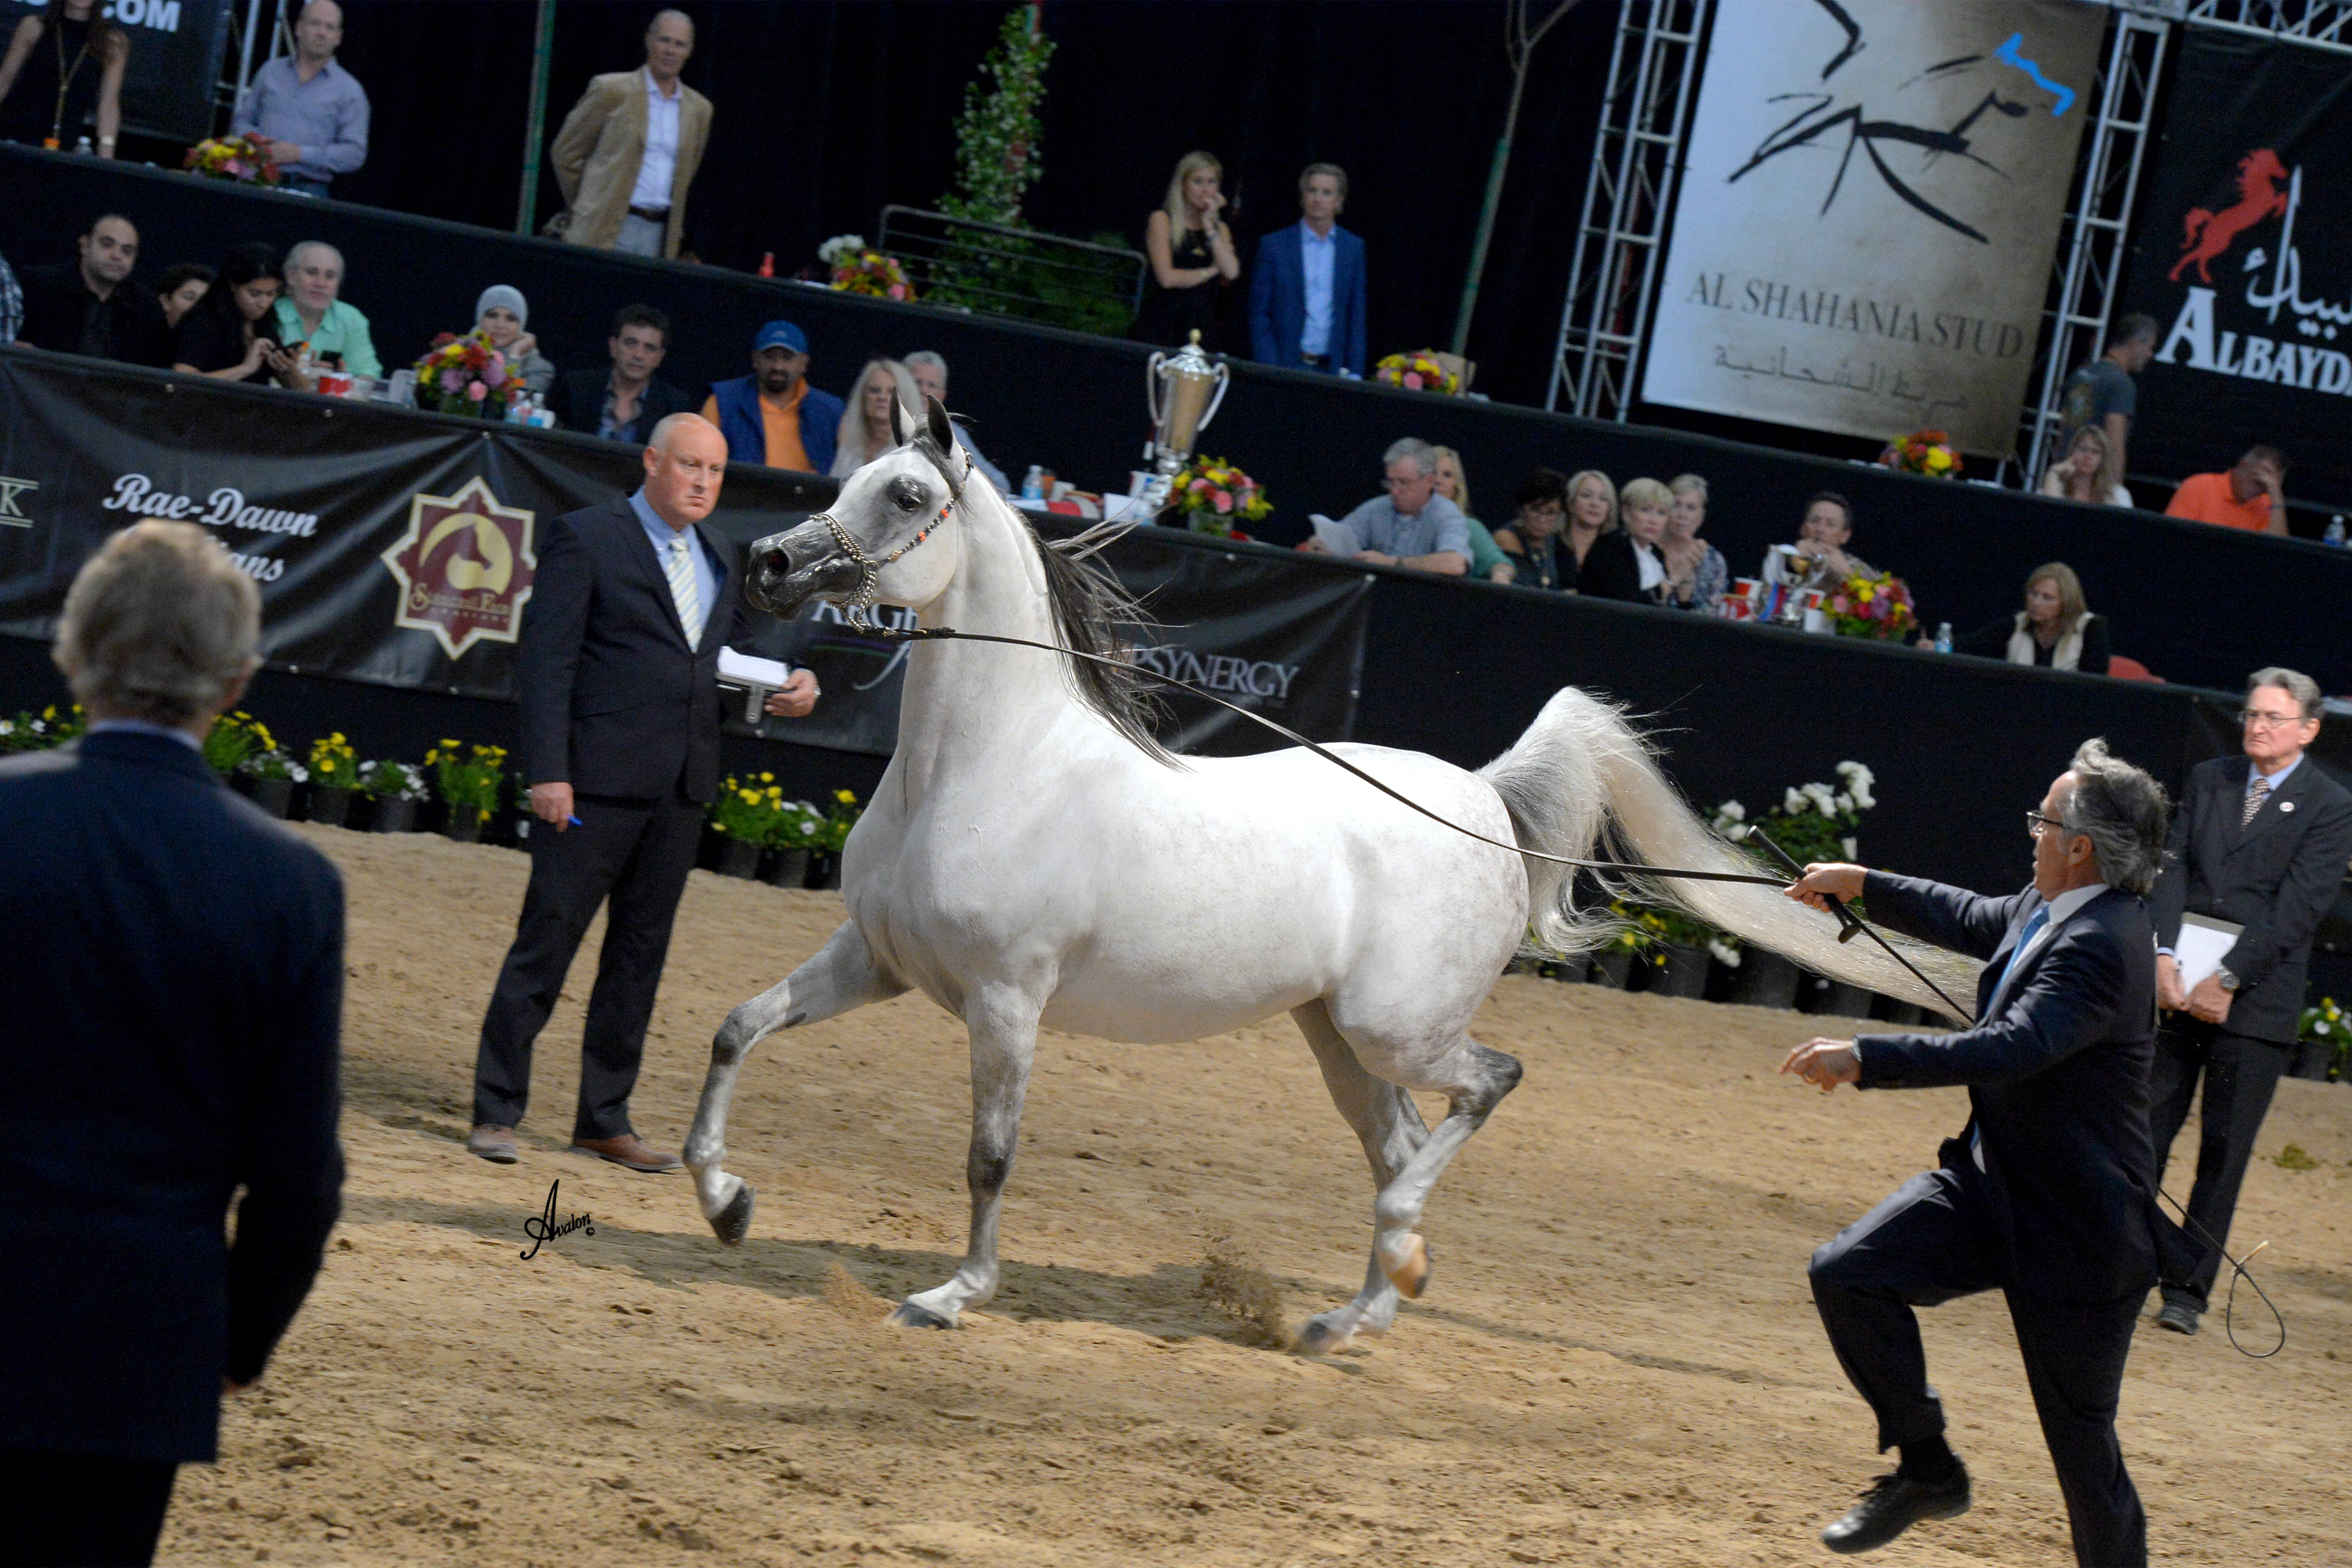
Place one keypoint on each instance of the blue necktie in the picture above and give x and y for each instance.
(2024, 939)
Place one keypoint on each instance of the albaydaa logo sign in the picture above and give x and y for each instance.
(465, 568)
(2280, 334)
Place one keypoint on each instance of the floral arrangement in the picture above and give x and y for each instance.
(1927, 452)
(26, 732)
(1813, 822)
(468, 780)
(1417, 372)
(1212, 495)
(233, 738)
(232, 158)
(334, 764)
(748, 813)
(800, 825)
(388, 780)
(274, 763)
(1878, 607)
(832, 834)
(859, 270)
(466, 376)
(1647, 930)
(2325, 1024)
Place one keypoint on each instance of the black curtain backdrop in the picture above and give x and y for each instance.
(823, 112)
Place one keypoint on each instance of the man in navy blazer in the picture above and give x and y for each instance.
(173, 970)
(619, 669)
(2049, 1194)
(1306, 291)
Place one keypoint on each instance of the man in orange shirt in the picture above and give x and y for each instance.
(773, 416)
(2247, 497)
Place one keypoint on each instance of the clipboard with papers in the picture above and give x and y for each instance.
(2201, 946)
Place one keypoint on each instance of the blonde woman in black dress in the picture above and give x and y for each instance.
(1193, 254)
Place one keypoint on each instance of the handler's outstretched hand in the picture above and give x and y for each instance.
(1828, 1063)
(1825, 880)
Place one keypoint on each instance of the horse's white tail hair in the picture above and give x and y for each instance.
(1583, 779)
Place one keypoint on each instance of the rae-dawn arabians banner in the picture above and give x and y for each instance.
(2243, 255)
(1863, 238)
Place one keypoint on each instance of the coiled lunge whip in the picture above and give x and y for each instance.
(1850, 924)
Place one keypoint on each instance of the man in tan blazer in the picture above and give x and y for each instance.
(629, 149)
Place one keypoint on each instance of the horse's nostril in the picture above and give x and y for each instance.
(775, 562)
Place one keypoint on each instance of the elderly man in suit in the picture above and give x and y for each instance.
(619, 670)
(174, 975)
(1307, 290)
(629, 149)
(2049, 1194)
(2260, 842)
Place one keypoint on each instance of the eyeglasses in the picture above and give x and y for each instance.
(2036, 823)
(2253, 719)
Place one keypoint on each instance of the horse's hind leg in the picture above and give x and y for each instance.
(839, 976)
(1389, 1125)
(1003, 1025)
(1474, 1081)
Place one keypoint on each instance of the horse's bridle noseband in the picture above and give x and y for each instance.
(869, 581)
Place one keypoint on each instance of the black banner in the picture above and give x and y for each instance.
(2243, 255)
(175, 58)
(397, 547)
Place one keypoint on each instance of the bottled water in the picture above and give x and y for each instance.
(1944, 637)
(2336, 530)
(1033, 488)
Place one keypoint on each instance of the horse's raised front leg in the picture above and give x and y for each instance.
(1003, 1025)
(1390, 1126)
(1474, 1081)
(839, 976)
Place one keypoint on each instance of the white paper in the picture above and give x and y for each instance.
(748, 670)
(2202, 944)
(1335, 537)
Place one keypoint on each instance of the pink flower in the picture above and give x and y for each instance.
(1413, 379)
(496, 368)
(1224, 501)
(898, 290)
(476, 392)
(1197, 486)
(234, 165)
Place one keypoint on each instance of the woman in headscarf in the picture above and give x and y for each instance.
(501, 314)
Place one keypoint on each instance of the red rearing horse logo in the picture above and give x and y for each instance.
(2205, 235)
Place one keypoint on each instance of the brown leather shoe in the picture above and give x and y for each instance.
(494, 1144)
(627, 1150)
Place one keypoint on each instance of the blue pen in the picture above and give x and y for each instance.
(574, 820)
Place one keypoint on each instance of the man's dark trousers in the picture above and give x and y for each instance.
(638, 852)
(1930, 1242)
(2241, 1074)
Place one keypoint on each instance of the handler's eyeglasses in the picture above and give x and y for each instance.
(2036, 823)
(2254, 719)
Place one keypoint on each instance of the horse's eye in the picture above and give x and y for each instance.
(906, 495)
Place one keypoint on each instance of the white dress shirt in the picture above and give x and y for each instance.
(1317, 255)
(659, 166)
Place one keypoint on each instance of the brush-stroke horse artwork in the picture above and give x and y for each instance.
(1034, 857)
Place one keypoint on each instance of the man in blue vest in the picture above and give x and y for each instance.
(773, 416)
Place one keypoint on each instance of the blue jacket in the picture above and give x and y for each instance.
(746, 434)
(1277, 311)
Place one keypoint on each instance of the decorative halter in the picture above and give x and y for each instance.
(869, 581)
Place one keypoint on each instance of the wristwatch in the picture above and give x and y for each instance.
(2229, 981)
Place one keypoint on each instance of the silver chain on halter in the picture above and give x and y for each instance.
(869, 581)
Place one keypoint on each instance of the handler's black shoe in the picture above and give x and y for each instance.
(2180, 1315)
(1893, 1505)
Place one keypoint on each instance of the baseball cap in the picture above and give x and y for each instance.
(781, 335)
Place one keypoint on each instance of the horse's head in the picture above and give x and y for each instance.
(889, 538)
(2260, 173)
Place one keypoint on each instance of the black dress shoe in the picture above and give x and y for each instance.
(2179, 1316)
(1893, 1505)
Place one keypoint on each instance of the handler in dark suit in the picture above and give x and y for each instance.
(619, 670)
(1307, 289)
(173, 972)
(2048, 1195)
(2260, 842)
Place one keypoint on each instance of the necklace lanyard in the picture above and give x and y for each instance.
(65, 79)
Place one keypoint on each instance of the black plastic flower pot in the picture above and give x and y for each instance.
(275, 796)
(393, 814)
(739, 858)
(786, 868)
(1683, 972)
(331, 807)
(1765, 979)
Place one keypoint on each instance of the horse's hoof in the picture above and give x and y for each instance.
(1316, 1337)
(734, 1222)
(911, 1316)
(1407, 1265)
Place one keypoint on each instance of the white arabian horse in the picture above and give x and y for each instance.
(1032, 856)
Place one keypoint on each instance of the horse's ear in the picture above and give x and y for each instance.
(897, 422)
(942, 435)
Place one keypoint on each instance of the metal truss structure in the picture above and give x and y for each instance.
(2322, 24)
(1629, 197)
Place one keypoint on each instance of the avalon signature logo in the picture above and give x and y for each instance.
(11, 514)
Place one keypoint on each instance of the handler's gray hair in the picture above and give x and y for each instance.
(294, 257)
(2294, 682)
(2121, 812)
(159, 625)
(927, 357)
(1413, 447)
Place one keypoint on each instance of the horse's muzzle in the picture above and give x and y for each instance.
(789, 569)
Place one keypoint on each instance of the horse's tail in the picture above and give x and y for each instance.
(1582, 779)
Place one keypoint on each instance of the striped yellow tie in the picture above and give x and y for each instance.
(683, 590)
